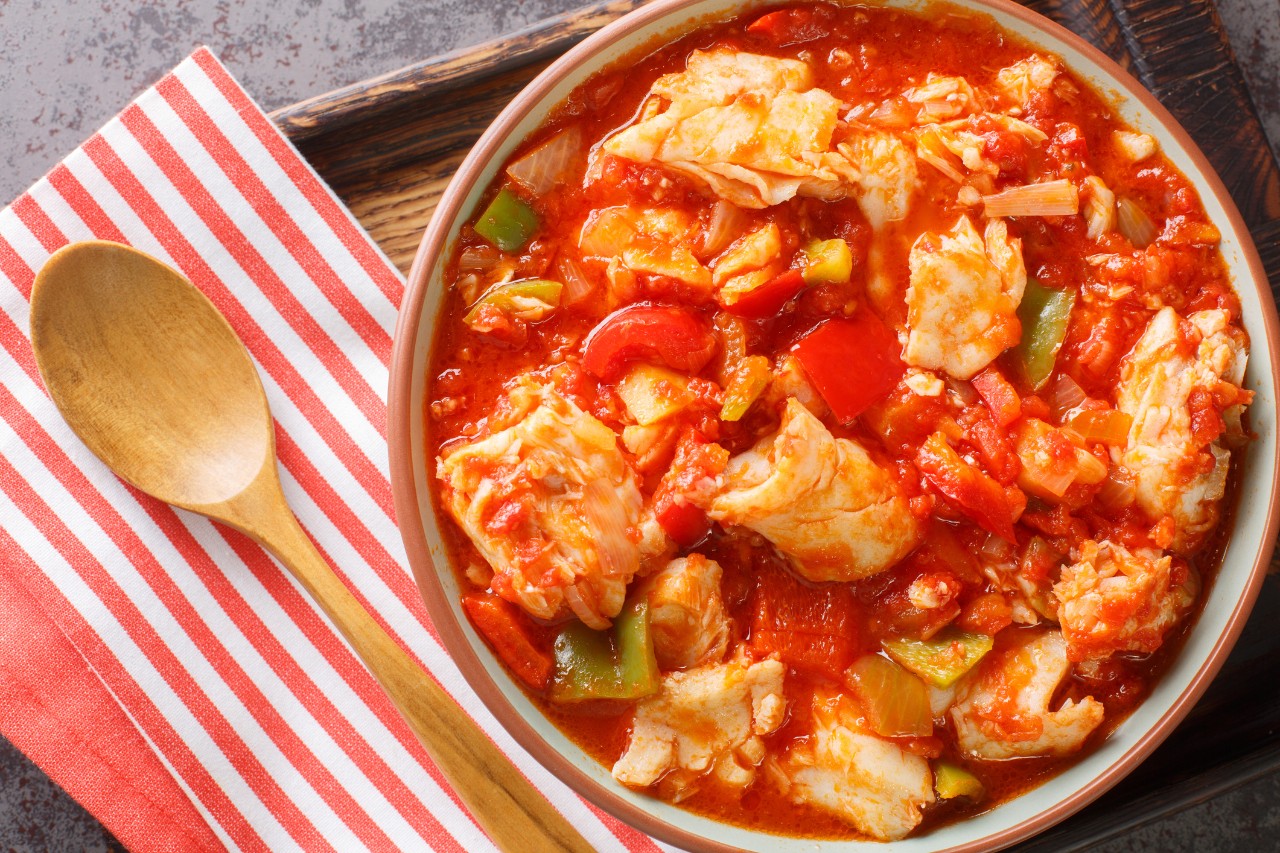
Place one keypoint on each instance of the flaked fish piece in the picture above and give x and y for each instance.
(1113, 600)
(755, 132)
(1003, 708)
(551, 505)
(823, 501)
(962, 301)
(644, 240)
(844, 768)
(704, 722)
(1180, 372)
(1019, 82)
(686, 613)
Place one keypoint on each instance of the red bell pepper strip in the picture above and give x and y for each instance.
(968, 488)
(789, 26)
(992, 444)
(1000, 396)
(685, 523)
(854, 362)
(811, 628)
(499, 623)
(766, 300)
(662, 334)
(696, 459)
(768, 23)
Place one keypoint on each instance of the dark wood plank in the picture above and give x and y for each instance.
(1092, 20)
(402, 91)
(1181, 53)
(1267, 237)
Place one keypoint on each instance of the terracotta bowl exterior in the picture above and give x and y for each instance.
(1229, 599)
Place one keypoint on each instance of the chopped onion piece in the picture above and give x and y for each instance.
(1055, 481)
(963, 390)
(549, 164)
(930, 149)
(1135, 224)
(728, 221)
(895, 701)
(995, 551)
(1089, 468)
(1099, 207)
(1107, 426)
(482, 257)
(577, 286)
(1051, 198)
(1117, 490)
(1065, 396)
(895, 113)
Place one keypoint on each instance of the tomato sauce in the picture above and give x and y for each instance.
(953, 455)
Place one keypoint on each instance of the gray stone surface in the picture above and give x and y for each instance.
(1254, 28)
(66, 67)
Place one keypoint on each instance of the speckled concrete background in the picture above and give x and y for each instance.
(66, 67)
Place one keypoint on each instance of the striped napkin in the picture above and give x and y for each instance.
(162, 669)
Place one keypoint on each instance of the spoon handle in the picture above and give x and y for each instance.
(505, 805)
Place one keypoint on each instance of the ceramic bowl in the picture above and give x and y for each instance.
(1212, 636)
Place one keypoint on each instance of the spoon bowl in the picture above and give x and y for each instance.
(125, 346)
(154, 380)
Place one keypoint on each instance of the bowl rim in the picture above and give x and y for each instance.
(401, 412)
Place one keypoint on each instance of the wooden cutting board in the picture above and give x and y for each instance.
(388, 147)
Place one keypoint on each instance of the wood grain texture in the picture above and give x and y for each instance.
(1092, 20)
(391, 172)
(1181, 54)
(424, 82)
(157, 384)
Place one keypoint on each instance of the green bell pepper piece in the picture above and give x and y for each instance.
(827, 262)
(637, 664)
(614, 664)
(1044, 313)
(508, 222)
(531, 299)
(943, 658)
(951, 781)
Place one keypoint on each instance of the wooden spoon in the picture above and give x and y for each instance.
(153, 379)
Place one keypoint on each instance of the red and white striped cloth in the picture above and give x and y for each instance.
(163, 669)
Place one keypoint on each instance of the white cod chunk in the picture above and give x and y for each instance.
(885, 176)
(825, 504)
(686, 613)
(704, 721)
(1002, 709)
(552, 506)
(941, 97)
(1115, 600)
(962, 301)
(751, 128)
(845, 769)
(956, 148)
(1017, 83)
(1176, 361)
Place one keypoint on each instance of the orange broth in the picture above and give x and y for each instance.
(863, 55)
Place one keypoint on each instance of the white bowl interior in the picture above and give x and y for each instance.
(1250, 521)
